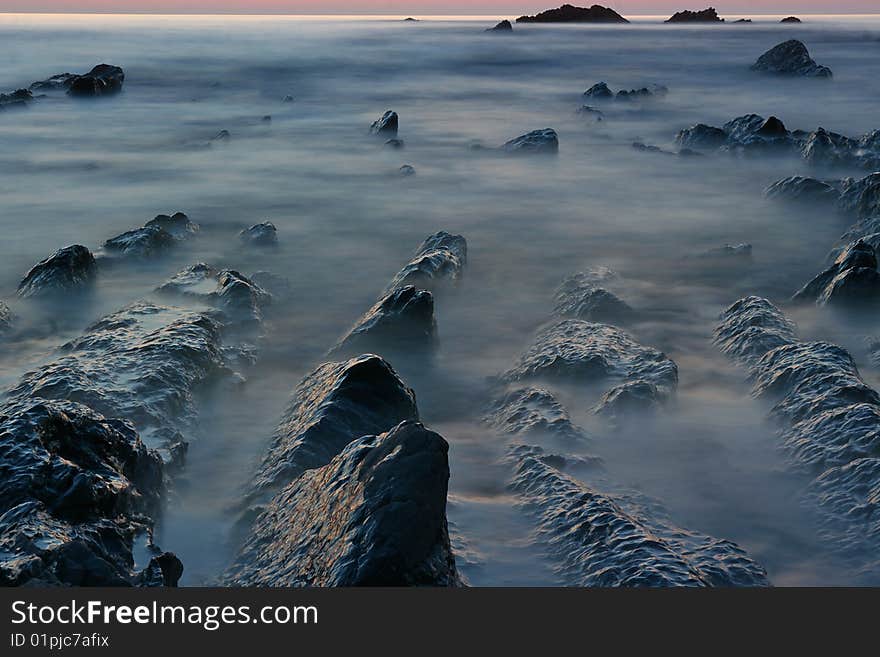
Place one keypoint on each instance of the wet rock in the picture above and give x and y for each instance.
(751, 327)
(608, 541)
(375, 515)
(580, 297)
(19, 98)
(387, 124)
(402, 322)
(790, 19)
(103, 80)
(851, 281)
(799, 188)
(571, 14)
(407, 170)
(439, 261)
(333, 406)
(503, 26)
(631, 399)
(580, 350)
(790, 58)
(701, 136)
(687, 16)
(55, 83)
(146, 242)
(75, 489)
(223, 135)
(533, 413)
(241, 301)
(70, 269)
(753, 132)
(177, 225)
(535, 142)
(592, 112)
(260, 235)
(599, 91)
(824, 148)
(861, 197)
(163, 570)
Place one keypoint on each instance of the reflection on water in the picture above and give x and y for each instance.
(81, 172)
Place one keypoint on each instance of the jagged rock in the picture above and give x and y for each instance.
(641, 94)
(102, 80)
(75, 489)
(790, 19)
(56, 82)
(19, 98)
(440, 260)
(592, 112)
(407, 170)
(163, 570)
(852, 280)
(375, 515)
(743, 20)
(580, 297)
(631, 398)
(387, 124)
(701, 136)
(687, 16)
(828, 148)
(599, 91)
(799, 188)
(333, 406)
(571, 14)
(67, 270)
(609, 541)
(503, 26)
(262, 235)
(751, 327)
(402, 322)
(533, 413)
(177, 225)
(790, 58)
(861, 198)
(576, 349)
(537, 141)
(154, 238)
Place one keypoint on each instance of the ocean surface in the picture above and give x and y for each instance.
(82, 172)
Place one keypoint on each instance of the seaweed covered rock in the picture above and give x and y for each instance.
(790, 58)
(543, 141)
(260, 235)
(709, 15)
(751, 327)
(533, 413)
(332, 406)
(802, 189)
(571, 14)
(70, 269)
(852, 280)
(439, 261)
(402, 322)
(103, 80)
(375, 515)
(580, 297)
(386, 125)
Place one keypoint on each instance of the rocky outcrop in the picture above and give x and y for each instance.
(790, 19)
(260, 235)
(19, 98)
(860, 198)
(375, 515)
(790, 58)
(802, 189)
(543, 141)
(703, 16)
(601, 91)
(701, 136)
(751, 327)
(572, 14)
(438, 262)
(331, 407)
(581, 296)
(852, 280)
(533, 413)
(71, 269)
(503, 26)
(386, 125)
(153, 239)
(103, 80)
(400, 323)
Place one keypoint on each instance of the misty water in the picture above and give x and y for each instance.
(83, 171)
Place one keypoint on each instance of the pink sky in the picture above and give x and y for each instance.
(426, 7)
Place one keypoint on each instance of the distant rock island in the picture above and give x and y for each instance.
(503, 26)
(705, 16)
(790, 19)
(572, 14)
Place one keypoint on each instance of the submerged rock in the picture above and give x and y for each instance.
(407, 170)
(402, 323)
(387, 124)
(535, 142)
(331, 407)
(630, 399)
(580, 297)
(70, 269)
(790, 58)
(278, 286)
(799, 188)
(503, 26)
(261, 235)
(851, 281)
(709, 15)
(728, 252)
(375, 515)
(396, 144)
(571, 14)
(102, 80)
(439, 261)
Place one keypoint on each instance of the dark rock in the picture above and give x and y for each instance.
(287, 99)
(102, 80)
(163, 570)
(581, 298)
(240, 299)
(791, 19)
(374, 516)
(641, 94)
(861, 197)
(261, 235)
(631, 400)
(67, 270)
(592, 112)
(146, 242)
(56, 82)
(401, 323)
(387, 124)
(407, 170)
(791, 58)
(535, 414)
(439, 261)
(395, 143)
(18, 98)
(535, 142)
(503, 26)
(333, 406)
(824, 148)
(599, 91)
(571, 14)
(727, 251)
(701, 136)
(704, 16)
(852, 280)
(799, 188)
(223, 135)
(410, 20)
(743, 20)
(177, 225)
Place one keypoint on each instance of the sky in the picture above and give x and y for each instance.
(428, 7)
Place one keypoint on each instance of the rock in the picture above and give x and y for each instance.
(535, 142)
(743, 20)
(334, 405)
(75, 489)
(573, 349)
(503, 26)
(581, 298)
(630, 400)
(570, 14)
(599, 91)
(287, 99)
(641, 94)
(241, 301)
(592, 112)
(155, 238)
(223, 135)
(260, 235)
(407, 170)
(387, 124)
(851, 281)
(701, 136)
(790, 58)
(70, 269)
(102, 80)
(790, 19)
(56, 82)
(823, 148)
(396, 144)
(163, 570)
(401, 323)
(534, 413)
(6, 318)
(704, 16)
(439, 260)
(801, 189)
(861, 197)
(600, 540)
(177, 225)
(751, 327)
(410, 20)
(375, 515)
(18, 98)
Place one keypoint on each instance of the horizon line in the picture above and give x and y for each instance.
(26, 12)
